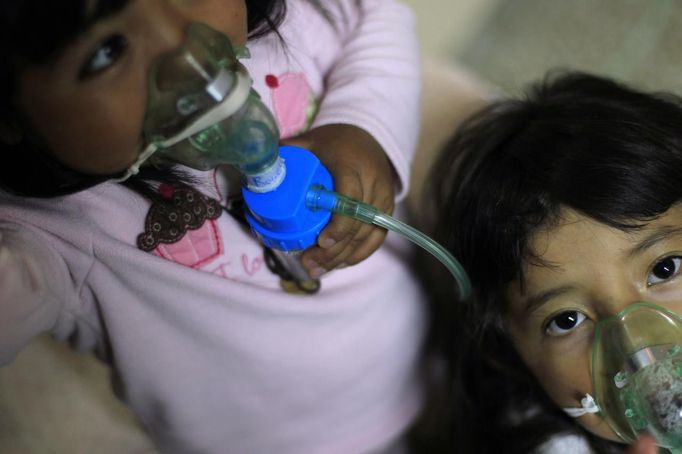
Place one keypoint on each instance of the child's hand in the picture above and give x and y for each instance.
(644, 445)
(362, 171)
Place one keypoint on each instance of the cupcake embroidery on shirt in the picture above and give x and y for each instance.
(183, 227)
(293, 102)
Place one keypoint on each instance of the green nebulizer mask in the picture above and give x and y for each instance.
(202, 112)
(637, 373)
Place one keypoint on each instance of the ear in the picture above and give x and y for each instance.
(10, 133)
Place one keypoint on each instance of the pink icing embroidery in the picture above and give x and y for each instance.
(292, 102)
(181, 227)
(196, 248)
(178, 211)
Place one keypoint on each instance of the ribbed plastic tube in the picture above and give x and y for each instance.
(319, 198)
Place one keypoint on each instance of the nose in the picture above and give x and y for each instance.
(167, 22)
(616, 297)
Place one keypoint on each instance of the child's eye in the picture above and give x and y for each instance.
(664, 270)
(104, 56)
(564, 323)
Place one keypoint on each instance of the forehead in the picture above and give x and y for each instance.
(573, 230)
(572, 236)
(576, 241)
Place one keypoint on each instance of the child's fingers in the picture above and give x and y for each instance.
(350, 252)
(360, 247)
(329, 256)
(346, 241)
(339, 228)
(367, 247)
(318, 259)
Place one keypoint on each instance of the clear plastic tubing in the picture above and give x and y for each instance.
(319, 198)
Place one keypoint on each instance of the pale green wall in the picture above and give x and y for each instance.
(446, 26)
(511, 42)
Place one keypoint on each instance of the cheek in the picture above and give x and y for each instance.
(92, 134)
(561, 368)
(565, 377)
(107, 140)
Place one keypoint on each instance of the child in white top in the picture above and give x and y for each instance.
(564, 208)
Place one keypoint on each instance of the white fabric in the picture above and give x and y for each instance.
(565, 444)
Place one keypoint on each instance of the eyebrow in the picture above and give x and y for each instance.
(658, 235)
(535, 301)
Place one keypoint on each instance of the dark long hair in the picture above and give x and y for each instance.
(33, 32)
(575, 140)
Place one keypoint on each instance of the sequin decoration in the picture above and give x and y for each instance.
(182, 209)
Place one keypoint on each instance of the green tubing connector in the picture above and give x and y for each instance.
(319, 198)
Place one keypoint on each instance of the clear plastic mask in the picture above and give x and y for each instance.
(637, 373)
(202, 112)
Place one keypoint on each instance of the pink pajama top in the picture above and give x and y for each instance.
(207, 349)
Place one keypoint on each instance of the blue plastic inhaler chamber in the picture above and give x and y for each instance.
(281, 218)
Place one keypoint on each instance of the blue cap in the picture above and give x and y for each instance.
(280, 218)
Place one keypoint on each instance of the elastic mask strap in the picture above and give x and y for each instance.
(232, 103)
(587, 405)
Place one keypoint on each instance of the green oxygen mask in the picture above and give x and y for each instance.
(202, 112)
(637, 373)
